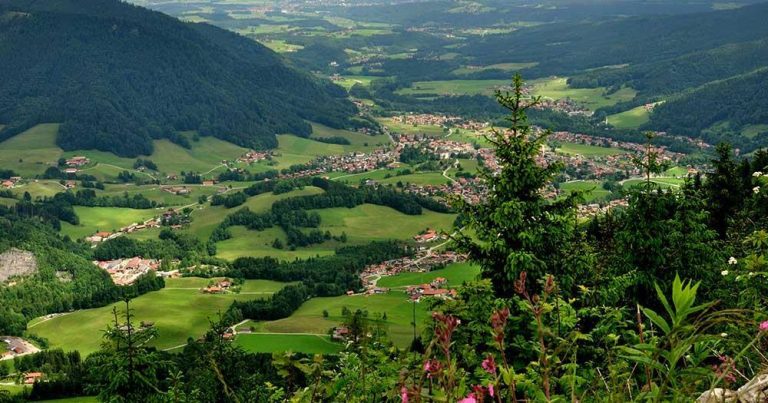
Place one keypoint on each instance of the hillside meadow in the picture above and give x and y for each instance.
(178, 311)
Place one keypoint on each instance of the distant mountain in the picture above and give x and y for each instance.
(116, 76)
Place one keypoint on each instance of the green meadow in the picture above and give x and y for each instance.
(178, 311)
(587, 150)
(309, 317)
(630, 119)
(592, 98)
(453, 87)
(205, 220)
(271, 343)
(455, 273)
(358, 141)
(664, 183)
(511, 67)
(397, 127)
(370, 222)
(421, 178)
(259, 244)
(31, 152)
(593, 190)
(94, 219)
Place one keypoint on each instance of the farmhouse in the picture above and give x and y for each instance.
(429, 236)
(32, 377)
(77, 161)
(218, 288)
(340, 333)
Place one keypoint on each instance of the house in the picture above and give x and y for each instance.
(77, 161)
(32, 377)
(212, 289)
(439, 282)
(209, 182)
(8, 184)
(340, 333)
(70, 171)
(429, 236)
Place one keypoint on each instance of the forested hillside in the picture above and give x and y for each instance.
(733, 104)
(117, 76)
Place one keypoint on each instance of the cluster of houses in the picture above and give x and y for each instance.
(127, 271)
(219, 287)
(437, 288)
(472, 190)
(590, 210)
(253, 156)
(176, 190)
(102, 236)
(11, 182)
(422, 262)
(426, 119)
(77, 162)
(430, 235)
(15, 347)
(565, 105)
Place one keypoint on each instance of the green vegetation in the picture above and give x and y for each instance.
(245, 242)
(454, 87)
(592, 98)
(32, 151)
(593, 189)
(587, 150)
(630, 119)
(509, 67)
(109, 219)
(456, 274)
(309, 317)
(177, 312)
(369, 222)
(303, 343)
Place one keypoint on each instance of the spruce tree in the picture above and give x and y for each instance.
(516, 228)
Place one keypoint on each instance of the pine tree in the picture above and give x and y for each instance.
(516, 228)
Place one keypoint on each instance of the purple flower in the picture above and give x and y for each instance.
(764, 326)
(489, 365)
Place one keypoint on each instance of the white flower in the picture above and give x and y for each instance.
(757, 174)
(724, 272)
(751, 274)
(738, 278)
(723, 334)
(756, 189)
(732, 261)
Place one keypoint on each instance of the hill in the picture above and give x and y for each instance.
(117, 76)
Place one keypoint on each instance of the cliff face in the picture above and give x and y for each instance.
(16, 262)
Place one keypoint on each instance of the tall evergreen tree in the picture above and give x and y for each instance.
(516, 229)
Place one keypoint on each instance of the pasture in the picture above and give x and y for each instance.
(397, 127)
(309, 317)
(259, 244)
(592, 98)
(510, 67)
(94, 219)
(358, 141)
(31, 152)
(178, 312)
(630, 119)
(271, 343)
(587, 150)
(370, 222)
(205, 220)
(453, 87)
(593, 190)
(455, 273)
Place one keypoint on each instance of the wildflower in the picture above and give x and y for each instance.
(469, 399)
(432, 367)
(724, 272)
(757, 174)
(756, 189)
(751, 274)
(489, 365)
(404, 394)
(732, 261)
(723, 334)
(764, 326)
(490, 390)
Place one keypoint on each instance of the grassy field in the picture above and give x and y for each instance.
(259, 244)
(592, 98)
(631, 119)
(202, 157)
(587, 150)
(349, 81)
(421, 178)
(398, 127)
(593, 189)
(453, 87)
(39, 188)
(369, 222)
(358, 141)
(456, 274)
(309, 317)
(270, 343)
(32, 151)
(178, 313)
(205, 220)
(664, 183)
(294, 150)
(511, 67)
(93, 219)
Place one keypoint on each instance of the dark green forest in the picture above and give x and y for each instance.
(118, 76)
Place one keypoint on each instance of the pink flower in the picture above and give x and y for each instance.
(404, 394)
(469, 399)
(764, 326)
(489, 365)
(490, 389)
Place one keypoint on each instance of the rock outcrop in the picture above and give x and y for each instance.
(16, 262)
